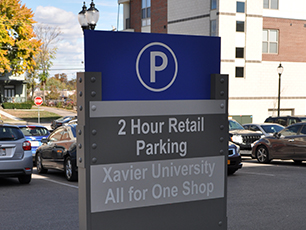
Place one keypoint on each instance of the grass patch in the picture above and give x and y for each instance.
(32, 114)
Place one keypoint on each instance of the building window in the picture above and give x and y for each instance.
(240, 26)
(270, 41)
(9, 92)
(270, 4)
(239, 72)
(213, 4)
(146, 12)
(239, 52)
(213, 28)
(240, 7)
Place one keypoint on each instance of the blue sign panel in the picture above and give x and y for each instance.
(144, 66)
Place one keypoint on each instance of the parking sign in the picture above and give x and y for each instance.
(152, 132)
(152, 66)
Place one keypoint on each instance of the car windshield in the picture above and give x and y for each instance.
(10, 133)
(271, 128)
(73, 129)
(63, 118)
(303, 119)
(234, 125)
(34, 131)
(291, 130)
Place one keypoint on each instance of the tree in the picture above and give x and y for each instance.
(18, 43)
(54, 94)
(62, 77)
(31, 83)
(49, 36)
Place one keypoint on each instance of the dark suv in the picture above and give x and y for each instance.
(242, 137)
(285, 120)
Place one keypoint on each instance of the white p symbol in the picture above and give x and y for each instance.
(155, 68)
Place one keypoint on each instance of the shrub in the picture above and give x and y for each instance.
(23, 105)
(59, 104)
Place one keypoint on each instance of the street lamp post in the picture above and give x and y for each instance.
(88, 18)
(280, 70)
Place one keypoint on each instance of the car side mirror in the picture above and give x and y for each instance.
(44, 140)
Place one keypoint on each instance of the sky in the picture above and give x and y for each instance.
(64, 14)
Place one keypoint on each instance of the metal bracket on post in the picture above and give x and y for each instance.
(219, 88)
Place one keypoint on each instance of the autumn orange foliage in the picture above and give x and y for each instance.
(18, 43)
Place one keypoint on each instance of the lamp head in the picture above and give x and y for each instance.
(280, 69)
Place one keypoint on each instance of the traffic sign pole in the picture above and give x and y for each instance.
(38, 116)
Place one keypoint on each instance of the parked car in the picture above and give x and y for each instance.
(266, 129)
(240, 136)
(59, 122)
(34, 134)
(15, 154)
(74, 121)
(58, 151)
(288, 144)
(285, 120)
(234, 158)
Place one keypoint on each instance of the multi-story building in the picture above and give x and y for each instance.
(256, 36)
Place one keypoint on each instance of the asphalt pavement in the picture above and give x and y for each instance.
(60, 112)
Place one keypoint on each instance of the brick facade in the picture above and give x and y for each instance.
(135, 19)
(292, 37)
(159, 16)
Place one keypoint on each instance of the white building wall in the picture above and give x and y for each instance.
(294, 9)
(227, 32)
(181, 17)
(182, 9)
(257, 93)
(260, 93)
(253, 39)
(194, 27)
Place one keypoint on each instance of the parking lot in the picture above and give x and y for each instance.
(260, 196)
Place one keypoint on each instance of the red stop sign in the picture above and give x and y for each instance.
(38, 100)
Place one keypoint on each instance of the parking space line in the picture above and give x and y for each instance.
(248, 164)
(57, 182)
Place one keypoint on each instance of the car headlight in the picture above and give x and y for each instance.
(237, 139)
(238, 149)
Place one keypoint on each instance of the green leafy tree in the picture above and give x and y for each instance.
(52, 81)
(18, 43)
(54, 94)
(71, 85)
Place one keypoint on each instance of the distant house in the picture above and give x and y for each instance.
(13, 88)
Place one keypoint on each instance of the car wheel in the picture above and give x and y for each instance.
(25, 179)
(70, 170)
(39, 166)
(262, 154)
(231, 172)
